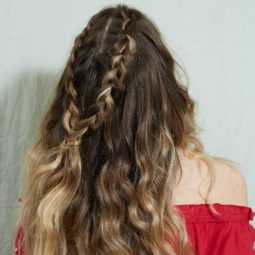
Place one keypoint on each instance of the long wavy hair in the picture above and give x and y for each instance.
(101, 174)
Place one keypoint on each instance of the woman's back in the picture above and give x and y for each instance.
(230, 233)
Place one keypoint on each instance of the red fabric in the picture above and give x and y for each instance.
(230, 233)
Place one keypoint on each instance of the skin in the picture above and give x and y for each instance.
(230, 187)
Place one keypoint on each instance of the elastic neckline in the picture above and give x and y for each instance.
(228, 212)
(217, 204)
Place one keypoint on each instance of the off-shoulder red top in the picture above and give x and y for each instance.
(230, 233)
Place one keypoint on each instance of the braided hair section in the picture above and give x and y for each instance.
(71, 115)
(113, 78)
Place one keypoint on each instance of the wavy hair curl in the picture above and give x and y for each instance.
(101, 175)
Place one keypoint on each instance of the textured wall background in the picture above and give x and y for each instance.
(213, 39)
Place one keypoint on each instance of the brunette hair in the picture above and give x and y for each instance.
(101, 175)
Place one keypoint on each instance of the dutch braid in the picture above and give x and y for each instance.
(125, 46)
(114, 77)
(71, 114)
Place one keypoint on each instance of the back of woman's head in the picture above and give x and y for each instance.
(101, 175)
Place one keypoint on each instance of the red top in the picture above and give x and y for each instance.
(230, 233)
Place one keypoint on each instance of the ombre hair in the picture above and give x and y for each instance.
(101, 174)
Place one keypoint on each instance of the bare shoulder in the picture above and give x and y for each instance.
(231, 186)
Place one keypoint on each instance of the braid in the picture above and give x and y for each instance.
(113, 78)
(71, 114)
(71, 117)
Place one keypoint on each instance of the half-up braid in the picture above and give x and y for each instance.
(72, 114)
(101, 175)
(113, 78)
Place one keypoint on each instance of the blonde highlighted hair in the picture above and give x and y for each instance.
(101, 175)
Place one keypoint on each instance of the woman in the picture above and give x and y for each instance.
(118, 167)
